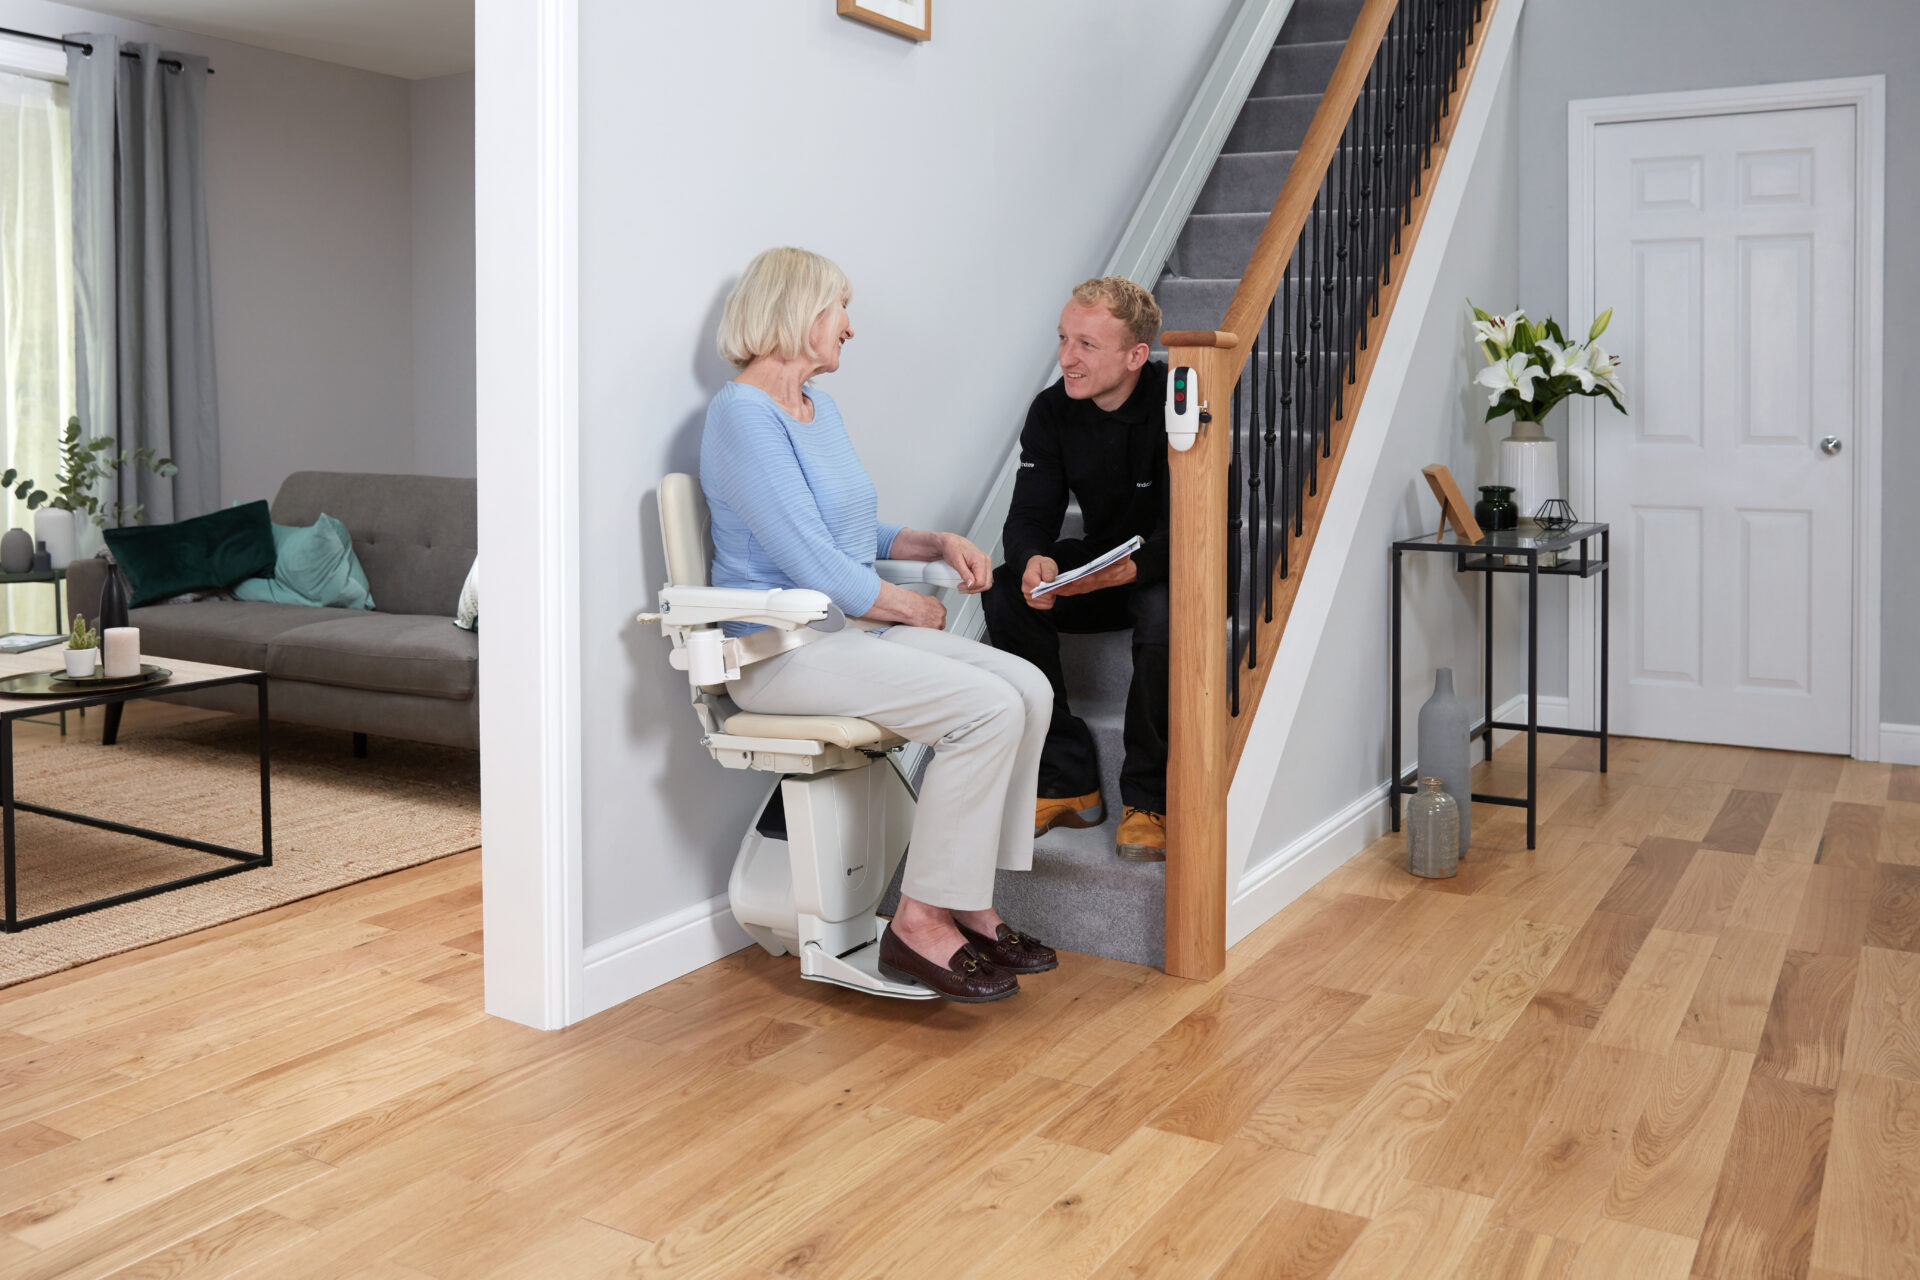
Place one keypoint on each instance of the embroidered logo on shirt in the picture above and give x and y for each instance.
(1143, 484)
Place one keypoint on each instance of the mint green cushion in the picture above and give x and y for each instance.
(215, 550)
(312, 565)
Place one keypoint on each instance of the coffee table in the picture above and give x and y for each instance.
(186, 675)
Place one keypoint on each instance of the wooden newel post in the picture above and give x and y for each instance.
(1197, 773)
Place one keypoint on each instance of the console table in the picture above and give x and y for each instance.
(1570, 552)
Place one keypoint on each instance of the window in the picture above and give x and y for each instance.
(36, 306)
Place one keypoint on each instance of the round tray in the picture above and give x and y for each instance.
(58, 684)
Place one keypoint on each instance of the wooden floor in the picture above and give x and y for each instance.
(1681, 1038)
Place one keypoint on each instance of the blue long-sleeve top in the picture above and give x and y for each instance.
(791, 504)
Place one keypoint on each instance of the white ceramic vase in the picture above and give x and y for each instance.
(80, 662)
(56, 529)
(1530, 465)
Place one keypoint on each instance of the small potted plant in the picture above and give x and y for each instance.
(83, 648)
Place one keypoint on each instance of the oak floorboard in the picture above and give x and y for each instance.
(1851, 837)
(1508, 1253)
(1649, 878)
(1475, 1147)
(1616, 1250)
(1489, 1000)
(1761, 1223)
(1869, 1216)
(1894, 922)
(1421, 1233)
(1313, 1098)
(1883, 1026)
(1903, 783)
(1742, 821)
(1806, 1031)
(1900, 837)
(1293, 1241)
(1579, 987)
(1799, 821)
(1704, 898)
(1653, 995)
(1731, 1003)
(1835, 910)
(1199, 1226)
(1666, 1179)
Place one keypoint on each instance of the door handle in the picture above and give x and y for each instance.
(1830, 445)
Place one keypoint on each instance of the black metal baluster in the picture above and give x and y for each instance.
(1273, 409)
(1233, 558)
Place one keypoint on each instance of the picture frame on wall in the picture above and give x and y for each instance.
(910, 18)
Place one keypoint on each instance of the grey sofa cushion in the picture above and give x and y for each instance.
(388, 652)
(414, 535)
(229, 633)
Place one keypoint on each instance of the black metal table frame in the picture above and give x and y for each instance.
(240, 859)
(1492, 559)
(57, 579)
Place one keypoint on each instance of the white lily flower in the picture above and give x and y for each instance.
(1516, 373)
(1594, 366)
(1498, 332)
(1567, 360)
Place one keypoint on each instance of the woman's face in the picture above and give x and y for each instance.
(830, 329)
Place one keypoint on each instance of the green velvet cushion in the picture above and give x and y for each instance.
(215, 550)
(313, 564)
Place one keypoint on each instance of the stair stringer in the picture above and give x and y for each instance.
(1260, 888)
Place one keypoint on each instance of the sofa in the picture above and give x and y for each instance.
(399, 670)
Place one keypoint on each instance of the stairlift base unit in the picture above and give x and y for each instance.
(812, 870)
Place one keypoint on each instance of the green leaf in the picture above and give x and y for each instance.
(36, 500)
(1600, 323)
(1478, 314)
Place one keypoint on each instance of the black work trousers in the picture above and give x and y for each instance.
(1070, 764)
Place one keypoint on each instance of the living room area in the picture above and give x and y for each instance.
(237, 316)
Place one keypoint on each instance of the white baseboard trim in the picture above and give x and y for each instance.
(659, 951)
(1553, 714)
(1900, 743)
(1278, 880)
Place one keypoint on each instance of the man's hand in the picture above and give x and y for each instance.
(976, 570)
(1117, 574)
(1039, 569)
(927, 612)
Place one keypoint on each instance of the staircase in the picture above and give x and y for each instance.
(1080, 895)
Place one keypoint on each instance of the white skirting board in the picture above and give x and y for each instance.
(1900, 743)
(658, 952)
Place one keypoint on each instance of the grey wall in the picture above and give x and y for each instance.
(310, 226)
(965, 184)
(442, 144)
(1569, 50)
(1338, 749)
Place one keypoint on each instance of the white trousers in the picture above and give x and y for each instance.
(985, 714)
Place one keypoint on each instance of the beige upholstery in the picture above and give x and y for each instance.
(683, 527)
(840, 731)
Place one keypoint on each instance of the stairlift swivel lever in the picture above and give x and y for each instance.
(1186, 412)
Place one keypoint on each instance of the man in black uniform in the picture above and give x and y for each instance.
(1098, 434)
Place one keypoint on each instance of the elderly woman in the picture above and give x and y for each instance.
(793, 507)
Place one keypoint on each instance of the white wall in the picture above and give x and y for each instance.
(1653, 46)
(311, 228)
(965, 184)
(1337, 752)
(442, 247)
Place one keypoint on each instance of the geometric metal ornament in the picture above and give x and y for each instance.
(1554, 515)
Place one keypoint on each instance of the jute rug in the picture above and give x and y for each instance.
(335, 820)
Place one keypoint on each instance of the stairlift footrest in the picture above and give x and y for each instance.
(859, 971)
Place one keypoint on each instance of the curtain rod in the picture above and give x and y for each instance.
(85, 49)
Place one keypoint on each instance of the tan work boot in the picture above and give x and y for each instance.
(1077, 812)
(1143, 836)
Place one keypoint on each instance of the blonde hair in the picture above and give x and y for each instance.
(781, 294)
(1130, 304)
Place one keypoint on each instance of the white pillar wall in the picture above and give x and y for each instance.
(526, 179)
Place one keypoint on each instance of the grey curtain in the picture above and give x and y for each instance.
(143, 312)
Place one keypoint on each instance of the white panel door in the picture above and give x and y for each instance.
(1725, 245)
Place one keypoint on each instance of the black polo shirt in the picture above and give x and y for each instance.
(1114, 465)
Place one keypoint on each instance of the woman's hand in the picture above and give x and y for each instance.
(976, 571)
(897, 604)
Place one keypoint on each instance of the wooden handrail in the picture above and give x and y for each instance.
(1205, 742)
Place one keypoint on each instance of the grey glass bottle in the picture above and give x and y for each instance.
(1433, 832)
(1446, 750)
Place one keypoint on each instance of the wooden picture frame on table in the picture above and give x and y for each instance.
(1454, 508)
(910, 18)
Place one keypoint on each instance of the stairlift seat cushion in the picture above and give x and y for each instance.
(840, 731)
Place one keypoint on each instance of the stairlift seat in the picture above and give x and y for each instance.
(840, 731)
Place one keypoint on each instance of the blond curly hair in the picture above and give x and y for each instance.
(1130, 304)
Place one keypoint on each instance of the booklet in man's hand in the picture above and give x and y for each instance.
(1114, 556)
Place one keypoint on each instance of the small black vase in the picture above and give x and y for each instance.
(113, 599)
(1496, 510)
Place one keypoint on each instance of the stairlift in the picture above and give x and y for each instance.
(834, 825)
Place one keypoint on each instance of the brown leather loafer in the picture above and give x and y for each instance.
(967, 977)
(1015, 952)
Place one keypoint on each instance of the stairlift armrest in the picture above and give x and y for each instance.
(910, 573)
(784, 609)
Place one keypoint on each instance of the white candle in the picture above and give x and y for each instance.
(121, 653)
